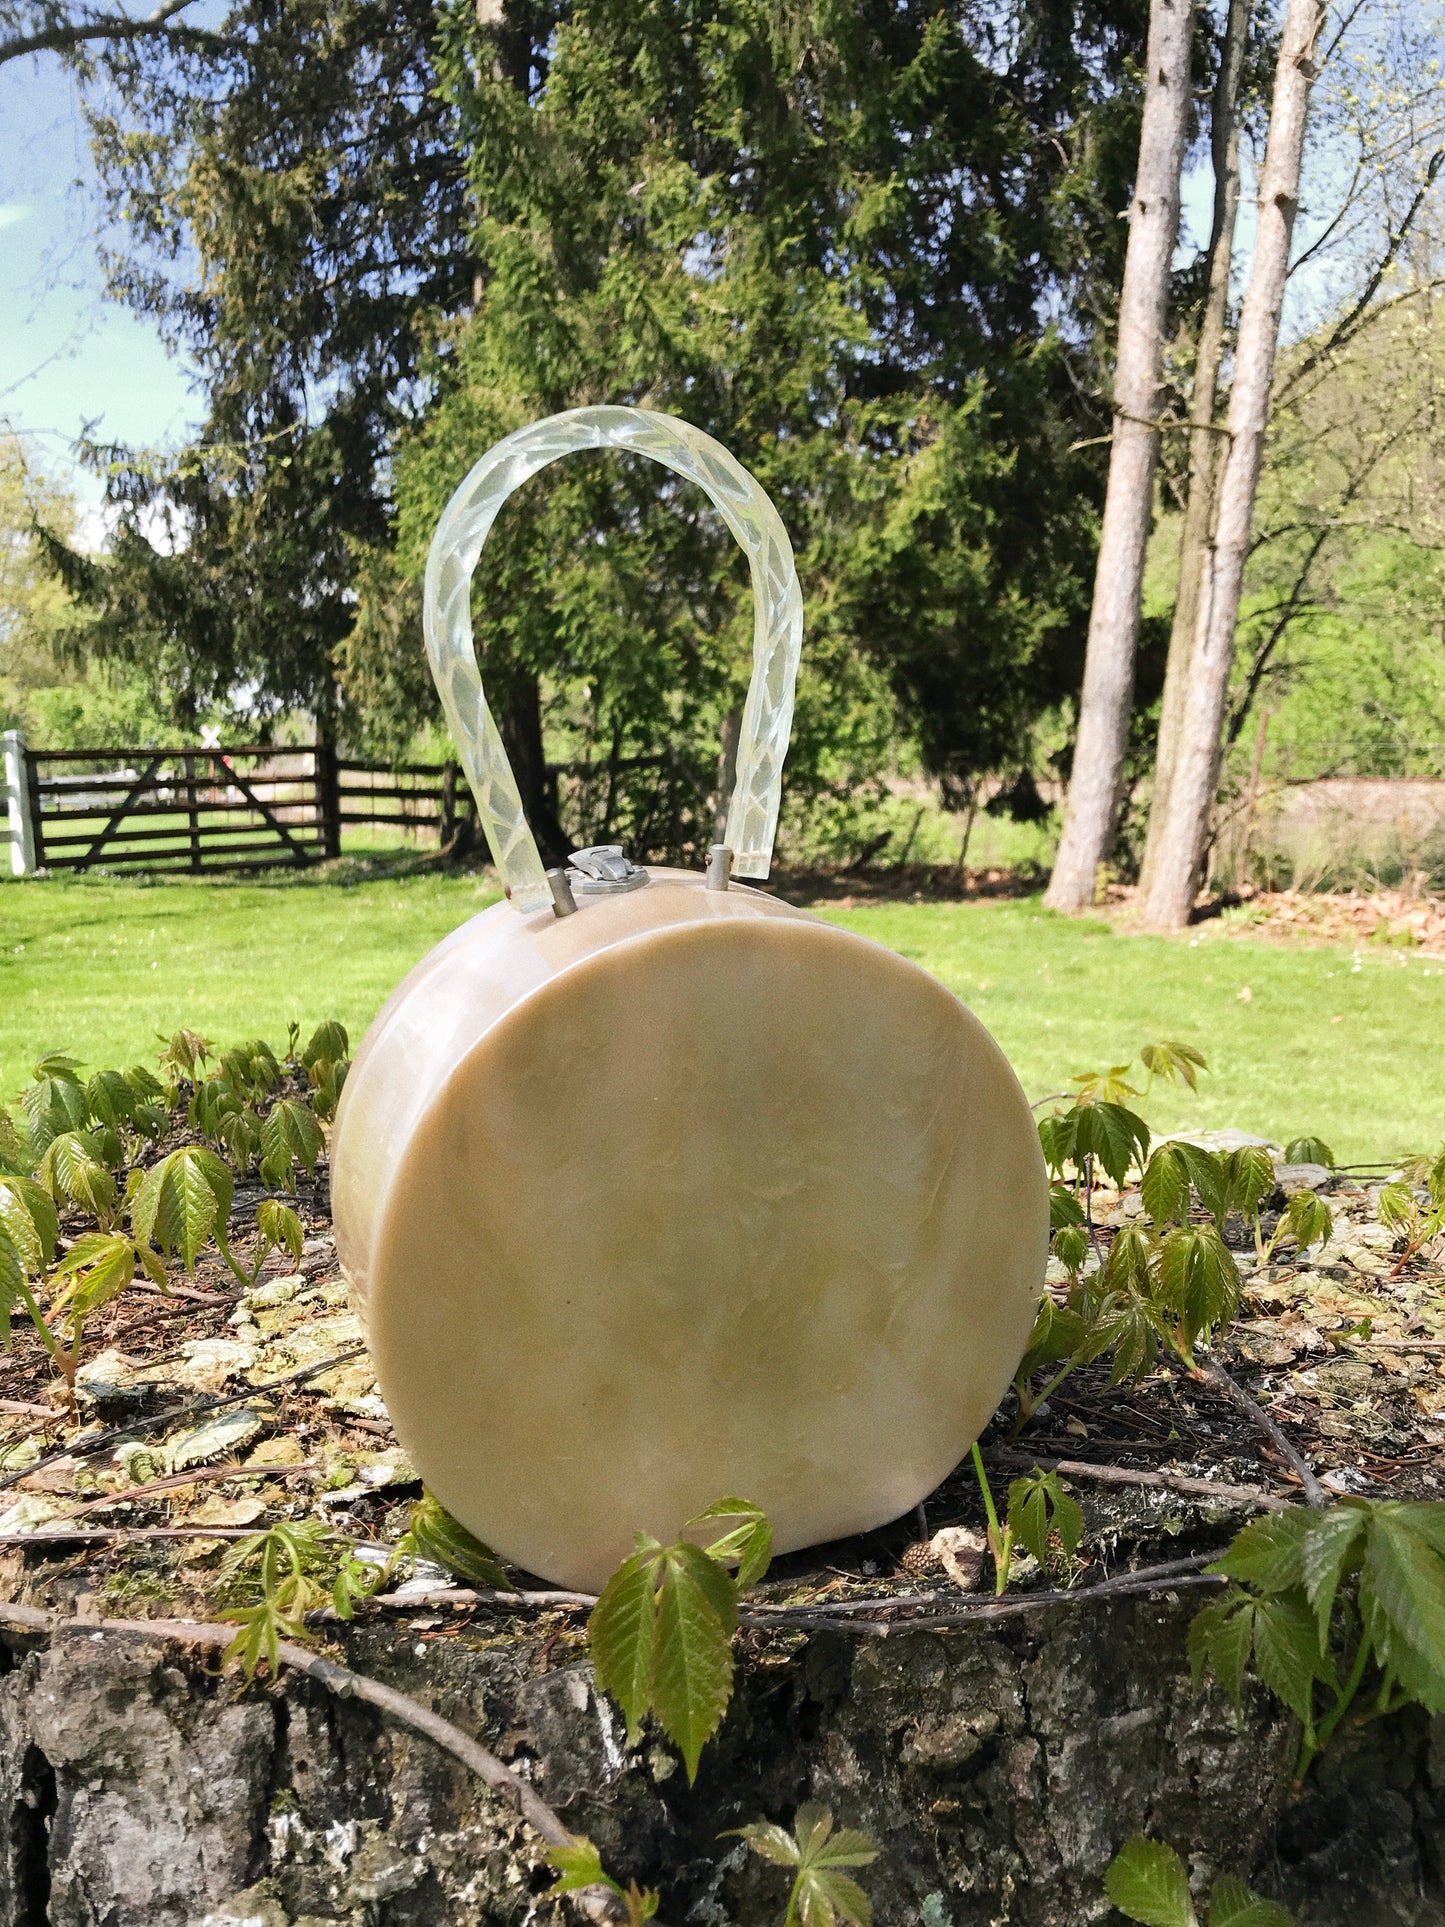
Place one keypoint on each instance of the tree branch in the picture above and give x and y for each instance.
(64, 36)
(345, 1684)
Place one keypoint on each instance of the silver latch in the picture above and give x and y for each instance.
(604, 867)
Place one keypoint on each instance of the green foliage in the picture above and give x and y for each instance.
(277, 1228)
(1147, 1882)
(1309, 1150)
(432, 1533)
(1195, 1278)
(1307, 1219)
(1045, 1519)
(73, 1174)
(182, 1202)
(183, 1054)
(821, 1893)
(298, 1568)
(579, 1866)
(1176, 1063)
(290, 1136)
(1366, 1577)
(55, 1100)
(661, 1632)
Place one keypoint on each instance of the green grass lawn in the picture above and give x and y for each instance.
(1351, 1048)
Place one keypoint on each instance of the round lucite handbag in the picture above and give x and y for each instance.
(652, 1189)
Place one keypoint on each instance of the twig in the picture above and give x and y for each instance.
(178, 1481)
(125, 1535)
(846, 1615)
(1181, 1574)
(1255, 1495)
(345, 1684)
(87, 1448)
(1212, 1371)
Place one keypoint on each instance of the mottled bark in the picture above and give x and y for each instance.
(1205, 442)
(999, 1771)
(1108, 690)
(1185, 824)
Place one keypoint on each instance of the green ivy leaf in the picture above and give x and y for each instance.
(1332, 1543)
(279, 1226)
(1309, 1150)
(1040, 1508)
(1249, 1178)
(97, 1268)
(1104, 1087)
(1402, 1596)
(822, 1894)
(580, 1866)
(1221, 1638)
(55, 1101)
(329, 1044)
(182, 1201)
(437, 1536)
(1397, 1209)
(17, 1221)
(1196, 1278)
(1111, 1135)
(1268, 1552)
(1165, 1189)
(1146, 1880)
(146, 1088)
(1057, 1334)
(72, 1172)
(110, 1100)
(1287, 1653)
(1207, 1175)
(14, 1154)
(1176, 1063)
(1071, 1247)
(661, 1638)
(1233, 1905)
(620, 1633)
(1129, 1326)
(290, 1136)
(692, 1673)
(1307, 1220)
(1064, 1207)
(1056, 1137)
(749, 1545)
(1127, 1266)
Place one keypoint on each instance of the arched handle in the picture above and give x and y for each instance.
(777, 626)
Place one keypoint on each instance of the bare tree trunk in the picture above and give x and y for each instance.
(1196, 773)
(1108, 691)
(1205, 442)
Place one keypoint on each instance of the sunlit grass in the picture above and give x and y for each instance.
(1349, 1047)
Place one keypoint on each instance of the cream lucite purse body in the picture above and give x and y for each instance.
(652, 1189)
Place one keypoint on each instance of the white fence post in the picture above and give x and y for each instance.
(21, 825)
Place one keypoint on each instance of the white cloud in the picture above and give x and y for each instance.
(12, 213)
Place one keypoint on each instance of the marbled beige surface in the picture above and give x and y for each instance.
(688, 1195)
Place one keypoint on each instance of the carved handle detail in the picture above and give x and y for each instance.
(777, 626)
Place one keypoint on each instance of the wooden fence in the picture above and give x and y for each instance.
(249, 806)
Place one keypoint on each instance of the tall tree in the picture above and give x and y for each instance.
(1185, 825)
(1096, 782)
(1205, 454)
(858, 243)
(288, 206)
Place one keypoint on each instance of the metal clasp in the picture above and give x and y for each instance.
(604, 867)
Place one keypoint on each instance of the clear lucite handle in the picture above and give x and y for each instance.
(777, 626)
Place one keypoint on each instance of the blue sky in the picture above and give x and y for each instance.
(70, 359)
(68, 356)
